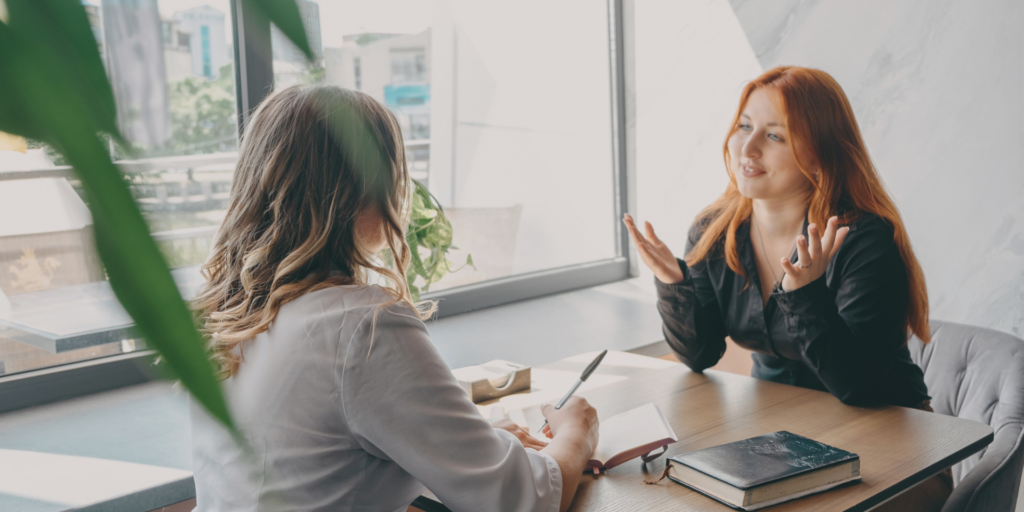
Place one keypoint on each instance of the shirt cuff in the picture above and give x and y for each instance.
(667, 291)
(806, 308)
(555, 474)
(802, 298)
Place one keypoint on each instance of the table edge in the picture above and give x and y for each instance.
(926, 473)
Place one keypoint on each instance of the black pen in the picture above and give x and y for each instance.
(583, 378)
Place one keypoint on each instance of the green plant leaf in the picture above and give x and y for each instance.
(429, 229)
(285, 14)
(139, 277)
(57, 93)
(417, 263)
(441, 236)
(56, 36)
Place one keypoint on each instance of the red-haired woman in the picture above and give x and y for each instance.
(804, 259)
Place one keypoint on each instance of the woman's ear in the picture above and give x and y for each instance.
(369, 229)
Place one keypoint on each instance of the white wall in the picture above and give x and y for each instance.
(692, 60)
(525, 104)
(938, 90)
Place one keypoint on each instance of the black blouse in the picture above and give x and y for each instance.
(843, 333)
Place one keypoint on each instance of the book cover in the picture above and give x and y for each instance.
(764, 459)
(759, 506)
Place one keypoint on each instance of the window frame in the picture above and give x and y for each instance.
(254, 76)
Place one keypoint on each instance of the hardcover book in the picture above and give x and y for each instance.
(765, 470)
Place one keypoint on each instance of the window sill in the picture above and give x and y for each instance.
(140, 433)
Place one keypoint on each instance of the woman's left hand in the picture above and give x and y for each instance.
(521, 433)
(814, 257)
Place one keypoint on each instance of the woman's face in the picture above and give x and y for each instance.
(759, 152)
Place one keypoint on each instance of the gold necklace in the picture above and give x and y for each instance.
(760, 240)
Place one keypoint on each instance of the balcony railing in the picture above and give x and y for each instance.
(129, 166)
(191, 195)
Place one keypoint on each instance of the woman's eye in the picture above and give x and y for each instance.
(774, 137)
(745, 127)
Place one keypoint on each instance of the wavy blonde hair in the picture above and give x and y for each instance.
(312, 159)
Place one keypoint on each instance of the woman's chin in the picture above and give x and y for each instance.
(751, 190)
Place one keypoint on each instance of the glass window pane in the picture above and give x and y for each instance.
(506, 117)
(170, 64)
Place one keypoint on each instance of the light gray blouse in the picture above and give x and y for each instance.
(335, 422)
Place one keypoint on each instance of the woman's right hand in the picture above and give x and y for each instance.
(573, 433)
(576, 418)
(656, 255)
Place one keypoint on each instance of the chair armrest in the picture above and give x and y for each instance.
(994, 482)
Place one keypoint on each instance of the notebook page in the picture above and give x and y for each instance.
(629, 430)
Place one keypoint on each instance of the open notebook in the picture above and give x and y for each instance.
(632, 434)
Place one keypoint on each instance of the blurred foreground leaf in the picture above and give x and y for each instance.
(55, 89)
(285, 14)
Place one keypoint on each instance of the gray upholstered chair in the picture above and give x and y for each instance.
(978, 374)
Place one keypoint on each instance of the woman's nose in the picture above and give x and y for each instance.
(750, 147)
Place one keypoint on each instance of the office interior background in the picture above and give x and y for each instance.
(535, 136)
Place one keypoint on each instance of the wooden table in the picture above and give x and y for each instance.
(898, 447)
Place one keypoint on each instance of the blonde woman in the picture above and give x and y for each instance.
(343, 402)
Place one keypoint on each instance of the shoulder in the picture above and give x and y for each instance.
(870, 231)
(374, 311)
(388, 339)
(365, 321)
(346, 304)
(698, 227)
(345, 297)
(870, 244)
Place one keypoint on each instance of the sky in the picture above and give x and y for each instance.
(338, 18)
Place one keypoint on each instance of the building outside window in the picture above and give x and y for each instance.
(204, 36)
(357, 74)
(419, 126)
(211, 52)
(408, 65)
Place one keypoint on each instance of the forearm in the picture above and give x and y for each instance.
(695, 332)
(849, 363)
(571, 452)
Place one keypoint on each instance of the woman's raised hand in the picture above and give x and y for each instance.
(813, 258)
(656, 255)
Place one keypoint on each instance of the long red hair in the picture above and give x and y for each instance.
(821, 122)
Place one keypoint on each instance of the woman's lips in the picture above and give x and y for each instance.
(750, 172)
